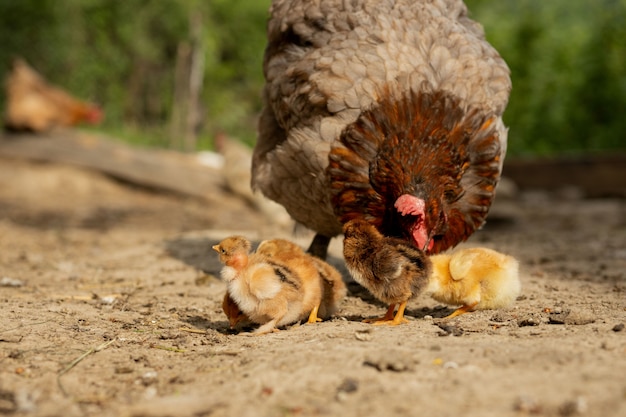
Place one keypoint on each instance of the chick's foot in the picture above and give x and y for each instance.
(389, 318)
(313, 316)
(461, 310)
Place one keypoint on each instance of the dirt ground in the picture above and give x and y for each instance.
(101, 281)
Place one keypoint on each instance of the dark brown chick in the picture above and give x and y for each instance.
(233, 312)
(390, 268)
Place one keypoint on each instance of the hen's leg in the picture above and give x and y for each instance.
(319, 246)
(461, 310)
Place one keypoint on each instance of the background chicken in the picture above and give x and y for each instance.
(34, 105)
(388, 111)
(390, 268)
(474, 279)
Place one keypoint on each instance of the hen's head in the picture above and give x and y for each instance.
(420, 220)
(94, 115)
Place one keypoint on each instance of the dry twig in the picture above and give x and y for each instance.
(80, 358)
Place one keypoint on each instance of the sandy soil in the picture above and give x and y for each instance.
(101, 282)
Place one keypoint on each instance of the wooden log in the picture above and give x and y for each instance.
(160, 169)
(595, 175)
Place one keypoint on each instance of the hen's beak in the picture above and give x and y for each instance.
(428, 245)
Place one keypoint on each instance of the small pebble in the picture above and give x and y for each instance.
(108, 299)
(11, 282)
(149, 377)
(363, 335)
(527, 404)
(618, 327)
(577, 406)
(392, 361)
(348, 386)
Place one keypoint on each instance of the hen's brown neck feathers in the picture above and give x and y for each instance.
(424, 144)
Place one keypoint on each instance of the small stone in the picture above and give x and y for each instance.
(577, 406)
(428, 317)
(527, 404)
(575, 317)
(363, 335)
(392, 361)
(11, 282)
(348, 386)
(449, 329)
(618, 327)
(149, 377)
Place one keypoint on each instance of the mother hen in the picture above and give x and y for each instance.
(389, 111)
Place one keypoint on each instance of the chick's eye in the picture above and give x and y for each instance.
(223, 250)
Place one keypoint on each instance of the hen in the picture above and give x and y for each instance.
(34, 105)
(387, 111)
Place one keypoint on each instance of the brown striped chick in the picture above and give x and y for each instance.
(333, 288)
(294, 258)
(267, 292)
(393, 270)
(475, 279)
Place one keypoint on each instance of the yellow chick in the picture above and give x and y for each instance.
(267, 292)
(312, 270)
(475, 279)
(393, 270)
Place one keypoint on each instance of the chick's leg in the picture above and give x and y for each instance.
(268, 327)
(313, 316)
(387, 318)
(461, 310)
(399, 317)
(392, 320)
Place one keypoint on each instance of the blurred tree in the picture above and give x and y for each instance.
(568, 66)
(176, 72)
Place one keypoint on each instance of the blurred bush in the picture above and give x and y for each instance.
(568, 66)
(175, 72)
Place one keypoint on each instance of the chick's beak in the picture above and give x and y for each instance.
(216, 248)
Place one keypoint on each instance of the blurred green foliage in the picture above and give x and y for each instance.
(568, 66)
(567, 58)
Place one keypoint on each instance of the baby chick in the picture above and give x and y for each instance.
(333, 289)
(233, 312)
(475, 279)
(267, 292)
(391, 269)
